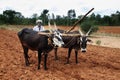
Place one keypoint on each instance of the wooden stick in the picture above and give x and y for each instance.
(80, 20)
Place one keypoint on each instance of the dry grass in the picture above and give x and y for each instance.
(14, 27)
(103, 30)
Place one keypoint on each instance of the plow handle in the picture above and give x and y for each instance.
(79, 21)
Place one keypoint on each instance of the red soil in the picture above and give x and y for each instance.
(102, 29)
(110, 29)
(98, 63)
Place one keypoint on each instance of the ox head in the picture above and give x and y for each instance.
(84, 39)
(57, 38)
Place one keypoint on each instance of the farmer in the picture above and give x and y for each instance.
(39, 26)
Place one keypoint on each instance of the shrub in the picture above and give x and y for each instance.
(85, 26)
(98, 42)
(3, 27)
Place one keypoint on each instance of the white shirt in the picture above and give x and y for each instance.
(36, 28)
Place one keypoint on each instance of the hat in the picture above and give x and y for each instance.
(38, 21)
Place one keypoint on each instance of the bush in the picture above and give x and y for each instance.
(3, 27)
(98, 42)
(85, 26)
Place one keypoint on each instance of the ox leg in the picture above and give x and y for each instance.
(55, 50)
(39, 58)
(45, 61)
(69, 53)
(76, 56)
(26, 56)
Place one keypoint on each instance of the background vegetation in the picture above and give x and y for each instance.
(11, 17)
(16, 18)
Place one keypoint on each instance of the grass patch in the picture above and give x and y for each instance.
(14, 27)
(3, 27)
(98, 42)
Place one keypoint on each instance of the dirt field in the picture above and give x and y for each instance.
(108, 35)
(102, 29)
(98, 63)
(109, 29)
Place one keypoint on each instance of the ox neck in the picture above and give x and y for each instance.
(50, 42)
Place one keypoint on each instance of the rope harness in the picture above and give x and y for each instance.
(50, 42)
(68, 44)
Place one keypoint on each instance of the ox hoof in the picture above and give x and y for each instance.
(66, 63)
(45, 68)
(38, 68)
(56, 59)
(27, 64)
(77, 62)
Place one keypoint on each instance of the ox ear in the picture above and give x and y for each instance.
(78, 40)
(89, 40)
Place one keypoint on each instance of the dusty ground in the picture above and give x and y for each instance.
(109, 29)
(108, 36)
(106, 41)
(98, 63)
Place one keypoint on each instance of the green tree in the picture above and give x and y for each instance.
(12, 17)
(92, 16)
(106, 20)
(115, 18)
(85, 26)
(34, 18)
(18, 18)
(71, 15)
(44, 16)
(9, 16)
(2, 19)
(98, 19)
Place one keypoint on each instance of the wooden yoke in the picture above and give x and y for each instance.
(43, 33)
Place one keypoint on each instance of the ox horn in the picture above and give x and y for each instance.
(88, 31)
(80, 32)
(53, 16)
(55, 26)
(50, 29)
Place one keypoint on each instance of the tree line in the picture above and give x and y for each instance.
(13, 17)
